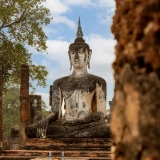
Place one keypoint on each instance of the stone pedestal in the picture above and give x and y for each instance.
(69, 144)
(43, 155)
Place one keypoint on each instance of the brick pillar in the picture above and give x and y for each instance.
(135, 124)
(24, 100)
(1, 115)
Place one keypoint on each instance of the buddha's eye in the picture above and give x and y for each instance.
(81, 51)
(71, 51)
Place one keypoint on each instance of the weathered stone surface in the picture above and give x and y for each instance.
(41, 154)
(6, 144)
(136, 114)
(68, 144)
(35, 108)
(14, 139)
(58, 130)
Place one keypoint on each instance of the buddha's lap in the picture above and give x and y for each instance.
(94, 129)
(58, 129)
(55, 128)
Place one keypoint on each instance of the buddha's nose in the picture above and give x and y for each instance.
(76, 56)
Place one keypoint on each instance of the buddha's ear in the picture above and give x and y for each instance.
(70, 60)
(89, 57)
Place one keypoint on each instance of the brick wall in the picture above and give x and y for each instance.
(136, 114)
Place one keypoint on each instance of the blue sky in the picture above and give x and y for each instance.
(96, 20)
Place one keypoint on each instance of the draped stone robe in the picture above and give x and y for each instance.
(85, 108)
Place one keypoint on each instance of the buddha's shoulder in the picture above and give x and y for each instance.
(61, 80)
(97, 78)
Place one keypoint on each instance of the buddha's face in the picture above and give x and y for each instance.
(78, 57)
(34, 104)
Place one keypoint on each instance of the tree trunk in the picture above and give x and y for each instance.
(1, 114)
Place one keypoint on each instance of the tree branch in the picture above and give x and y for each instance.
(1, 34)
(15, 22)
(2, 26)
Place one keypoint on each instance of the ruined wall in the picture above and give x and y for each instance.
(35, 108)
(135, 124)
(14, 139)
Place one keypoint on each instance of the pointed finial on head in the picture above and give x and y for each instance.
(79, 30)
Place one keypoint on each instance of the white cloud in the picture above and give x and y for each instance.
(59, 7)
(48, 30)
(57, 62)
(62, 19)
(89, 3)
(81, 3)
(57, 49)
(56, 7)
(106, 3)
(105, 19)
(55, 72)
(105, 16)
(102, 49)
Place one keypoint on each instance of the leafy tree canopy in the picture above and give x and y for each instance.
(21, 25)
(11, 110)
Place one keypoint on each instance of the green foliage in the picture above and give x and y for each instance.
(44, 111)
(11, 110)
(11, 115)
(21, 25)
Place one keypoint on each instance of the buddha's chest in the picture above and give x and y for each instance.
(78, 95)
(77, 103)
(82, 84)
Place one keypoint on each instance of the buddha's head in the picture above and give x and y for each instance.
(34, 104)
(79, 51)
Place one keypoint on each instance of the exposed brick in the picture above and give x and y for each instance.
(24, 100)
(24, 94)
(136, 114)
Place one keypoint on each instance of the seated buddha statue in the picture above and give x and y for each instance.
(83, 96)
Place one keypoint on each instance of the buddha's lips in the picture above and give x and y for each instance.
(76, 61)
(33, 107)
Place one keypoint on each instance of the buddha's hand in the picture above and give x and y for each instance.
(69, 122)
(41, 128)
(98, 116)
